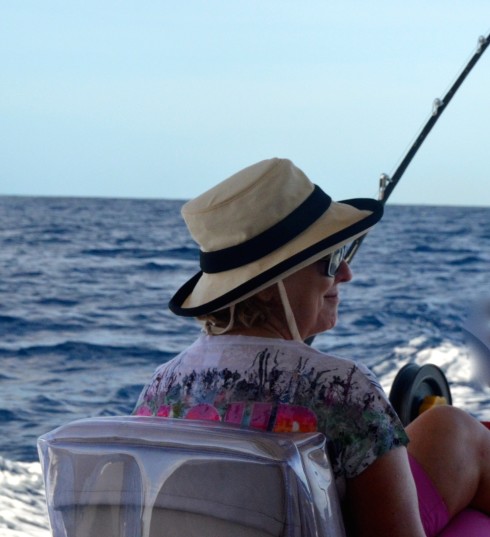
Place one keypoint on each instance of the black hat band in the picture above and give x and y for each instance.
(269, 240)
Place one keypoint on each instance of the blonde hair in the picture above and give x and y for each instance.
(252, 311)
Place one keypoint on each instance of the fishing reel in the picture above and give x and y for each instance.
(417, 389)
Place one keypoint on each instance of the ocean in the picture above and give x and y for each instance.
(84, 285)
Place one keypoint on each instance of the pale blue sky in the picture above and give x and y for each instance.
(150, 98)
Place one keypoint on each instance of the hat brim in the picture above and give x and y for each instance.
(345, 220)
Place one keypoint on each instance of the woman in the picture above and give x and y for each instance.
(272, 247)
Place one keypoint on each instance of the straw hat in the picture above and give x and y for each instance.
(259, 226)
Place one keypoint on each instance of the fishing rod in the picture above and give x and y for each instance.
(386, 183)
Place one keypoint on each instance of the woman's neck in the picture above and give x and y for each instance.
(267, 331)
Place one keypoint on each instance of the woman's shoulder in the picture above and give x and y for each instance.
(285, 353)
(246, 352)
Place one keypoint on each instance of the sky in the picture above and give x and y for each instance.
(164, 99)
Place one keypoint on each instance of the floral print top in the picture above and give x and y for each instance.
(278, 385)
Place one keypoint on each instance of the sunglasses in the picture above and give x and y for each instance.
(332, 262)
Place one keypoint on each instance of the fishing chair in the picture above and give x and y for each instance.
(154, 477)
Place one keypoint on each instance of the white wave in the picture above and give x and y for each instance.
(23, 510)
(462, 368)
(457, 363)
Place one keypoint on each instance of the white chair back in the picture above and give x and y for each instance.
(155, 477)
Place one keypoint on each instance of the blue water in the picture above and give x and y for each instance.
(83, 320)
